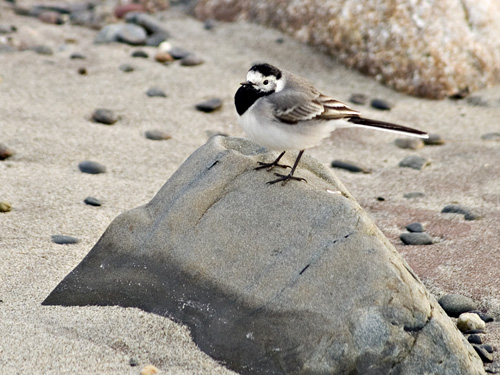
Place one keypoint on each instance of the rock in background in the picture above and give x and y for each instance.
(270, 279)
(429, 49)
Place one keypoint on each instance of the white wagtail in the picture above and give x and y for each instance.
(282, 112)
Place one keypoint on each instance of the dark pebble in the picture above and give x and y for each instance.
(82, 71)
(416, 239)
(494, 136)
(77, 56)
(156, 135)
(457, 209)
(91, 201)
(64, 240)
(51, 17)
(414, 194)
(191, 60)
(132, 34)
(156, 92)
(360, 99)
(92, 167)
(5, 152)
(209, 24)
(178, 53)
(473, 331)
(381, 104)
(133, 362)
(5, 207)
(476, 101)
(462, 93)
(154, 40)
(104, 116)
(140, 53)
(414, 162)
(42, 50)
(415, 228)
(280, 40)
(409, 143)
(484, 317)
(349, 166)
(483, 353)
(209, 105)
(434, 140)
(456, 304)
(127, 68)
(475, 339)
(488, 347)
(381, 199)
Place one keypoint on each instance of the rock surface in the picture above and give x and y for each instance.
(270, 279)
(427, 50)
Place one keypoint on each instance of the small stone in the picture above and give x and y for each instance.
(64, 240)
(483, 353)
(149, 23)
(108, 34)
(409, 143)
(176, 52)
(132, 34)
(209, 105)
(155, 39)
(360, 99)
(140, 53)
(127, 68)
(456, 304)
(77, 56)
(414, 194)
(475, 339)
(5, 152)
(42, 50)
(91, 201)
(381, 104)
(476, 101)
(458, 209)
(470, 321)
(414, 162)
(494, 136)
(104, 116)
(350, 166)
(434, 140)
(488, 347)
(123, 9)
(415, 228)
(91, 167)
(156, 92)
(191, 60)
(149, 370)
(133, 362)
(485, 317)
(156, 135)
(5, 207)
(209, 24)
(51, 17)
(82, 71)
(416, 239)
(381, 199)
(474, 331)
(163, 57)
(460, 94)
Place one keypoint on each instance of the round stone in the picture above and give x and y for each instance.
(91, 201)
(470, 321)
(414, 162)
(360, 99)
(176, 52)
(458, 209)
(5, 207)
(127, 68)
(456, 304)
(5, 152)
(409, 143)
(104, 116)
(156, 92)
(415, 228)
(82, 71)
(163, 57)
(350, 166)
(209, 105)
(475, 339)
(132, 34)
(77, 56)
(191, 60)
(42, 50)
(434, 140)
(416, 239)
(140, 53)
(108, 34)
(91, 167)
(64, 240)
(156, 135)
(381, 104)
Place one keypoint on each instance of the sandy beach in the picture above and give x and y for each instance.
(45, 110)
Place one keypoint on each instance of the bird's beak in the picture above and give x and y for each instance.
(246, 83)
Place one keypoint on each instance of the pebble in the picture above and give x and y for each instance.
(163, 57)
(409, 143)
(5, 207)
(414, 162)
(475, 339)
(485, 317)
(414, 194)
(140, 53)
(210, 24)
(191, 60)
(51, 17)
(133, 362)
(64, 240)
(470, 321)
(209, 105)
(434, 140)
(360, 99)
(176, 52)
(77, 56)
(108, 34)
(104, 116)
(127, 68)
(494, 136)
(415, 228)
(82, 71)
(5, 152)
(456, 304)
(149, 370)
(416, 239)
(350, 166)
(7, 29)
(92, 167)
(42, 50)
(156, 92)
(155, 39)
(381, 104)
(156, 135)
(123, 9)
(91, 201)
(458, 209)
(483, 353)
(488, 347)
(132, 34)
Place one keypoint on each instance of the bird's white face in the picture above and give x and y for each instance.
(269, 83)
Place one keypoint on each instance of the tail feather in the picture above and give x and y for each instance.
(386, 126)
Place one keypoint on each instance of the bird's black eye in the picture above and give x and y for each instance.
(266, 82)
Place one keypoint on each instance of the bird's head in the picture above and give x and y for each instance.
(265, 78)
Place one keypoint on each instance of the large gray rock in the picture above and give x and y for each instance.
(270, 279)
(425, 48)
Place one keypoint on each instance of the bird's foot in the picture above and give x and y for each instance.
(270, 166)
(284, 178)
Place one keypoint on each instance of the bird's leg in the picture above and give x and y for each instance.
(285, 178)
(270, 166)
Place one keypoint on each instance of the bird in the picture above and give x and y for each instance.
(283, 112)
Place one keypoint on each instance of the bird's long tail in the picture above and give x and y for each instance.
(386, 126)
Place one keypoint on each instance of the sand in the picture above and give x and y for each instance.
(45, 106)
